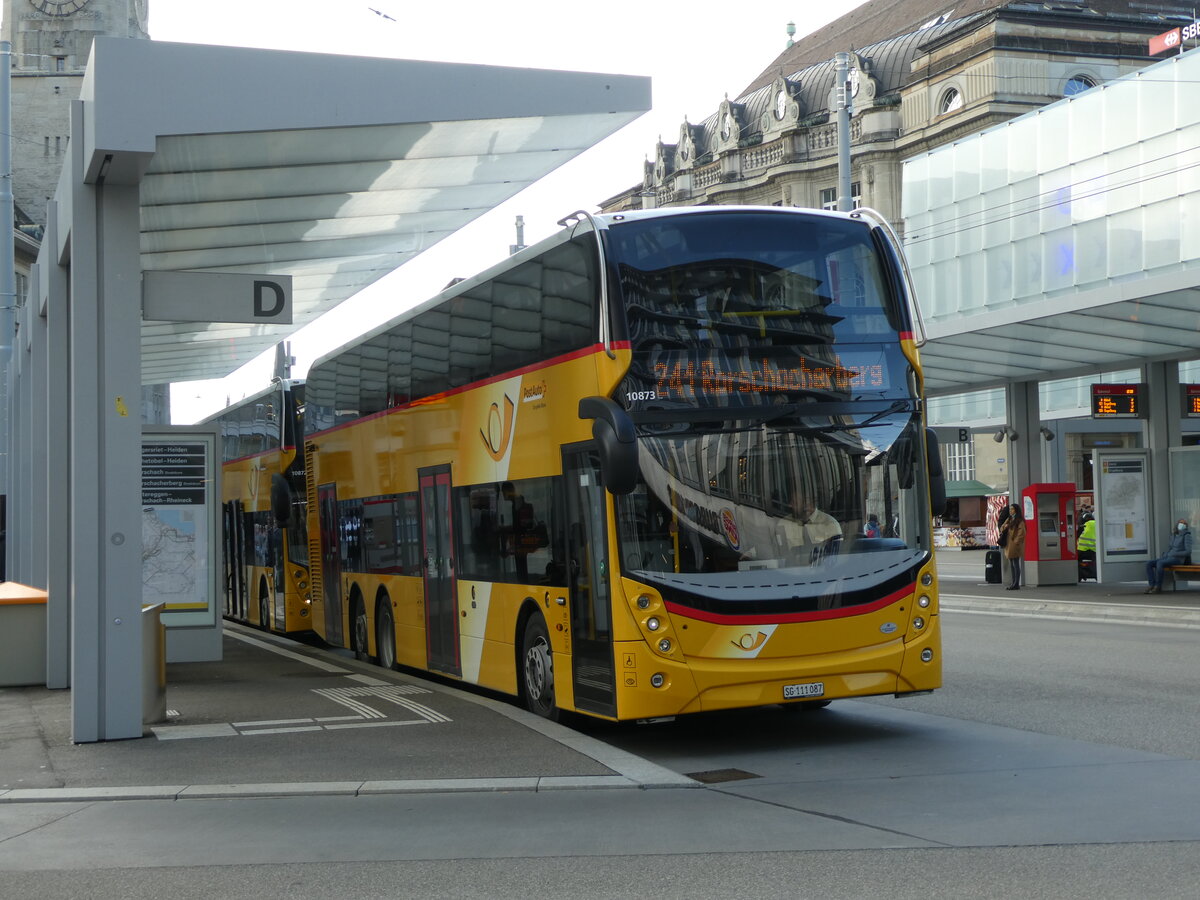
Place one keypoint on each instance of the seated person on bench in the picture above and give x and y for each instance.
(1179, 553)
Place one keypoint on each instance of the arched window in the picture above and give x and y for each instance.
(951, 100)
(1077, 84)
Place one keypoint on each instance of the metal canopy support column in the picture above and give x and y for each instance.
(19, 452)
(52, 290)
(34, 372)
(1163, 432)
(1024, 439)
(105, 452)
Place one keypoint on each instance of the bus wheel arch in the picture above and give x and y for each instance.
(535, 664)
(385, 630)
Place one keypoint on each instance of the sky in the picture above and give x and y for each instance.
(694, 54)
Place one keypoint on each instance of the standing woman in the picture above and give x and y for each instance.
(1014, 544)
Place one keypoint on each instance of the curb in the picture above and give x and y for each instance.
(332, 789)
(1074, 610)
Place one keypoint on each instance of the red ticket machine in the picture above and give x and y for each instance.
(1049, 511)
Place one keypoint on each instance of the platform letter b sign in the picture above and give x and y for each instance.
(268, 299)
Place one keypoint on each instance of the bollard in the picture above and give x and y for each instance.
(154, 665)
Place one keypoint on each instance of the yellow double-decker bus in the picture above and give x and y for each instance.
(662, 462)
(264, 537)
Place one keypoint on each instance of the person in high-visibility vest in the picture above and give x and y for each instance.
(1085, 547)
(1087, 537)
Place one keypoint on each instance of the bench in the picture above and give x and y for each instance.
(1188, 572)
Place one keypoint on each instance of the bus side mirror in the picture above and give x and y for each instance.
(937, 478)
(614, 434)
(281, 499)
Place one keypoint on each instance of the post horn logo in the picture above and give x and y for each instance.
(498, 433)
(750, 642)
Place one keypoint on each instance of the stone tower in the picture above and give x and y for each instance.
(51, 42)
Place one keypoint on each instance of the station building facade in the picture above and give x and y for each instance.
(925, 78)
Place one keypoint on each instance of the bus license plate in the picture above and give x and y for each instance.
(797, 691)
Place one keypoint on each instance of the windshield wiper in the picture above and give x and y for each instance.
(726, 419)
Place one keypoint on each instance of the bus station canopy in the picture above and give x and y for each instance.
(334, 170)
(1115, 326)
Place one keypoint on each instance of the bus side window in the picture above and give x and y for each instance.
(408, 531)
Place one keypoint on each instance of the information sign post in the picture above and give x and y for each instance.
(181, 502)
(1123, 513)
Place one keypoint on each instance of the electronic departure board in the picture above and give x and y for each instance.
(1191, 400)
(1118, 401)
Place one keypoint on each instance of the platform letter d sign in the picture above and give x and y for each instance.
(261, 309)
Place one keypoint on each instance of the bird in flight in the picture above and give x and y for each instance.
(381, 15)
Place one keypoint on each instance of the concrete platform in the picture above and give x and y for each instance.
(277, 718)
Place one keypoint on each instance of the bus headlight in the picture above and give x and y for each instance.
(927, 579)
(652, 623)
(926, 655)
(923, 601)
(658, 679)
(665, 645)
(918, 623)
(643, 602)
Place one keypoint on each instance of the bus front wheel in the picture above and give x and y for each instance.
(537, 669)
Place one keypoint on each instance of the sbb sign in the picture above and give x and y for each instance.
(1169, 40)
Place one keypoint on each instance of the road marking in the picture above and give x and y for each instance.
(365, 716)
(291, 730)
(391, 693)
(270, 721)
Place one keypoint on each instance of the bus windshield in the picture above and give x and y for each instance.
(777, 415)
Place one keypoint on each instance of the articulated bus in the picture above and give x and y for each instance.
(663, 462)
(263, 523)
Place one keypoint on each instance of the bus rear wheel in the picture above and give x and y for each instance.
(385, 635)
(537, 669)
(264, 610)
(359, 630)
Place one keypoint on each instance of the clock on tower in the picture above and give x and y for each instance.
(59, 7)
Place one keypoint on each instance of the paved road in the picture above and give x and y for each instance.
(864, 799)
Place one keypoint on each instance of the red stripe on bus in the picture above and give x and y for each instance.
(237, 459)
(437, 398)
(814, 616)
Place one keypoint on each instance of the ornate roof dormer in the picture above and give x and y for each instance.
(664, 161)
(691, 139)
(729, 125)
(784, 111)
(863, 86)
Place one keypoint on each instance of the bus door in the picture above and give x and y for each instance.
(588, 580)
(235, 561)
(437, 555)
(278, 538)
(331, 561)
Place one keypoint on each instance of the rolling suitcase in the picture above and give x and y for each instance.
(991, 568)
